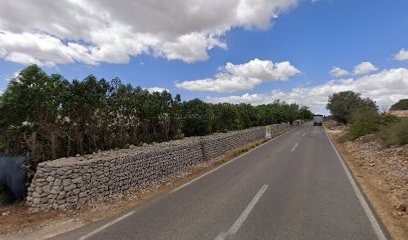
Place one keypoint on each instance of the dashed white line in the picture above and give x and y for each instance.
(294, 147)
(106, 226)
(304, 133)
(376, 226)
(237, 224)
(222, 165)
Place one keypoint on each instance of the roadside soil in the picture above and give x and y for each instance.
(17, 222)
(382, 174)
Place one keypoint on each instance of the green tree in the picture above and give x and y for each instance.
(198, 118)
(226, 117)
(304, 114)
(341, 105)
(400, 105)
(52, 117)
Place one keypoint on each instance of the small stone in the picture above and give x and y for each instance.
(82, 201)
(77, 180)
(62, 207)
(70, 187)
(55, 190)
(50, 179)
(57, 182)
(36, 201)
(36, 195)
(77, 155)
(402, 207)
(72, 199)
(6, 213)
(66, 182)
(46, 189)
(83, 194)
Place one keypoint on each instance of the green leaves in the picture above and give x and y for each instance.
(400, 105)
(52, 117)
(343, 104)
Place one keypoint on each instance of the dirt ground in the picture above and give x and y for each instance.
(382, 174)
(17, 222)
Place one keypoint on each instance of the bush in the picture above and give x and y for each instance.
(364, 121)
(396, 134)
(400, 105)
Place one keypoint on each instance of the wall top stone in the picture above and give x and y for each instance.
(110, 155)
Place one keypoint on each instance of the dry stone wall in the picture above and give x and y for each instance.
(73, 182)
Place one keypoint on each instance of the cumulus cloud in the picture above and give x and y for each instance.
(402, 55)
(157, 89)
(232, 78)
(364, 68)
(385, 87)
(92, 31)
(338, 72)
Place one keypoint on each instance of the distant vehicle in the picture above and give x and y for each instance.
(318, 120)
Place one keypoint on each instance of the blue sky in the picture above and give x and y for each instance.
(312, 36)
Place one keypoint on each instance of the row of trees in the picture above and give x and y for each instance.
(52, 117)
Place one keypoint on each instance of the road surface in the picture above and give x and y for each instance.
(294, 187)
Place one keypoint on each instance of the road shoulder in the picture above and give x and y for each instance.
(377, 183)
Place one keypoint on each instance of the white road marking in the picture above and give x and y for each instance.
(294, 147)
(224, 164)
(106, 226)
(237, 224)
(376, 226)
(180, 187)
(304, 133)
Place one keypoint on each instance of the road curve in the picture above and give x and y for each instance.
(294, 187)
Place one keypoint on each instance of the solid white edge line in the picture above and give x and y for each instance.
(294, 147)
(106, 226)
(376, 226)
(244, 215)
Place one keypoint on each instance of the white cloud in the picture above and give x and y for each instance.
(338, 72)
(364, 68)
(232, 78)
(92, 31)
(157, 89)
(402, 55)
(385, 87)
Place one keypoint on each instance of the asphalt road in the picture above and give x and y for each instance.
(294, 187)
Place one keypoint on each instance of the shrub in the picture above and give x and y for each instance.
(400, 105)
(364, 121)
(396, 134)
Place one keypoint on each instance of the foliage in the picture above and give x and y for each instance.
(363, 122)
(400, 105)
(52, 117)
(343, 104)
(305, 113)
(396, 133)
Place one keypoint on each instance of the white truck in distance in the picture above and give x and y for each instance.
(318, 120)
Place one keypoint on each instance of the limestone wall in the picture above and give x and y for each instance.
(72, 182)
